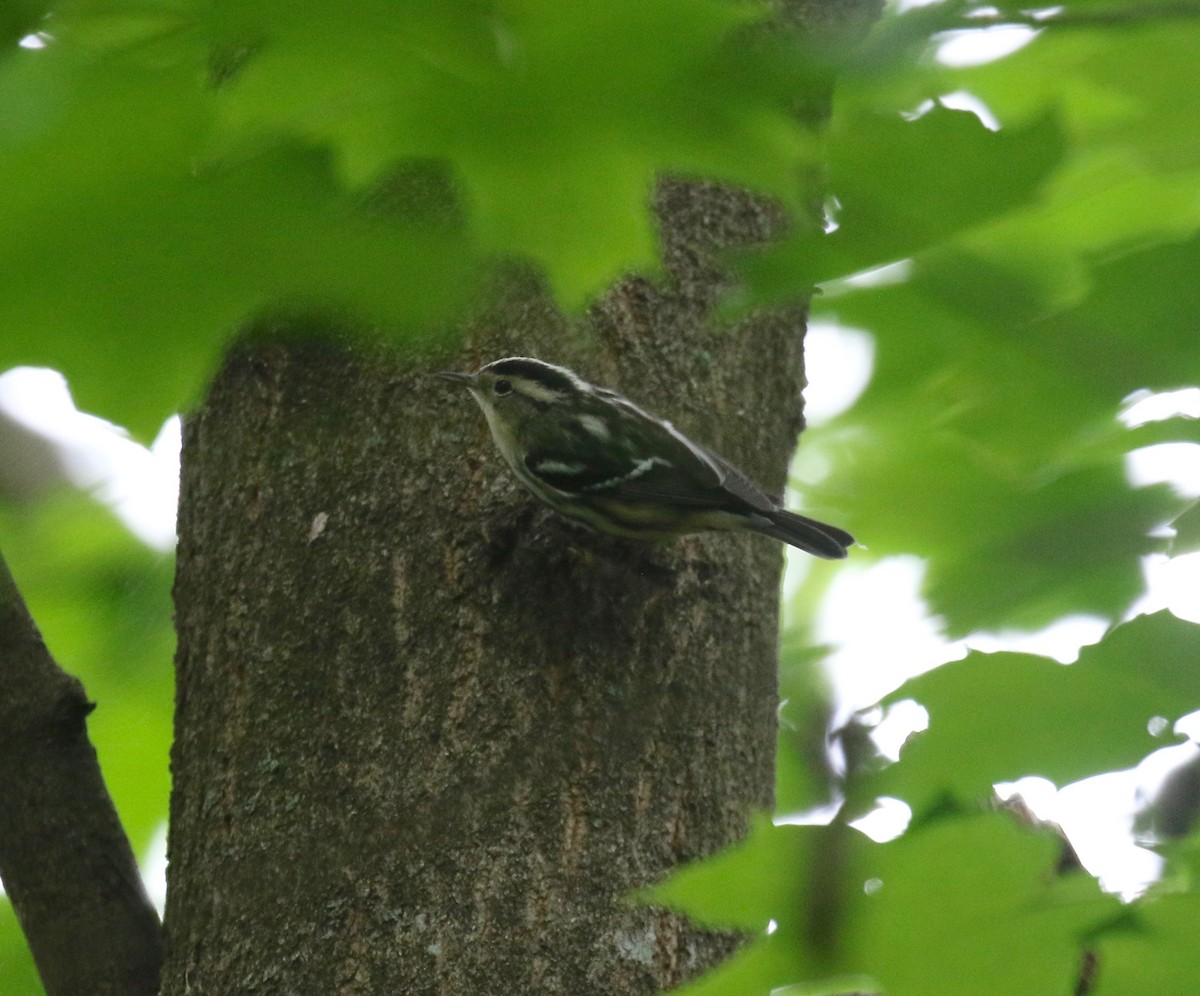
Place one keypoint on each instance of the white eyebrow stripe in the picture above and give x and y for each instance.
(577, 382)
(538, 392)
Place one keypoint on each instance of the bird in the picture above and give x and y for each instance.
(593, 455)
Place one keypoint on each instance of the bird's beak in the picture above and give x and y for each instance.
(458, 378)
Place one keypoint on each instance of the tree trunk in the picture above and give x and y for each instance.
(429, 734)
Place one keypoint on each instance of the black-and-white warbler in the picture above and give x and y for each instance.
(594, 455)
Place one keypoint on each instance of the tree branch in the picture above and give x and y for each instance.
(65, 860)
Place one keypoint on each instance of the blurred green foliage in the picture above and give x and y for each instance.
(172, 167)
(1041, 275)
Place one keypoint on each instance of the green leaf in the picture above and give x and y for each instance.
(1008, 544)
(802, 771)
(1156, 953)
(18, 974)
(150, 211)
(19, 18)
(799, 876)
(987, 440)
(771, 965)
(121, 265)
(1151, 949)
(1187, 531)
(898, 200)
(557, 119)
(1144, 297)
(948, 901)
(744, 886)
(973, 899)
(998, 717)
(1116, 84)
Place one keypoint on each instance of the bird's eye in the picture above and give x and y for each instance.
(502, 387)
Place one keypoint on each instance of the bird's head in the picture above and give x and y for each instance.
(518, 390)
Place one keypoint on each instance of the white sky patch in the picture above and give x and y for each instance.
(901, 720)
(979, 46)
(1189, 725)
(882, 630)
(1177, 464)
(886, 275)
(831, 210)
(140, 484)
(838, 361)
(957, 100)
(923, 108)
(887, 821)
(810, 465)
(1097, 815)
(1061, 640)
(154, 868)
(1149, 406)
(964, 100)
(1039, 794)
(1171, 583)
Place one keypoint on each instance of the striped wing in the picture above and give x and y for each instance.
(652, 463)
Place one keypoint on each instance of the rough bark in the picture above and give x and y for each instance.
(64, 859)
(430, 735)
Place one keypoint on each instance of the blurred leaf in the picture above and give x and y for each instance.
(1187, 531)
(804, 877)
(803, 776)
(998, 717)
(1013, 482)
(1073, 546)
(165, 263)
(898, 200)
(974, 899)
(1007, 546)
(1151, 950)
(19, 18)
(150, 212)
(557, 119)
(1116, 84)
(772, 965)
(949, 901)
(744, 886)
(18, 974)
(1154, 954)
(895, 200)
(1144, 299)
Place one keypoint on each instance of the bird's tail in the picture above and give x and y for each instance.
(809, 535)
